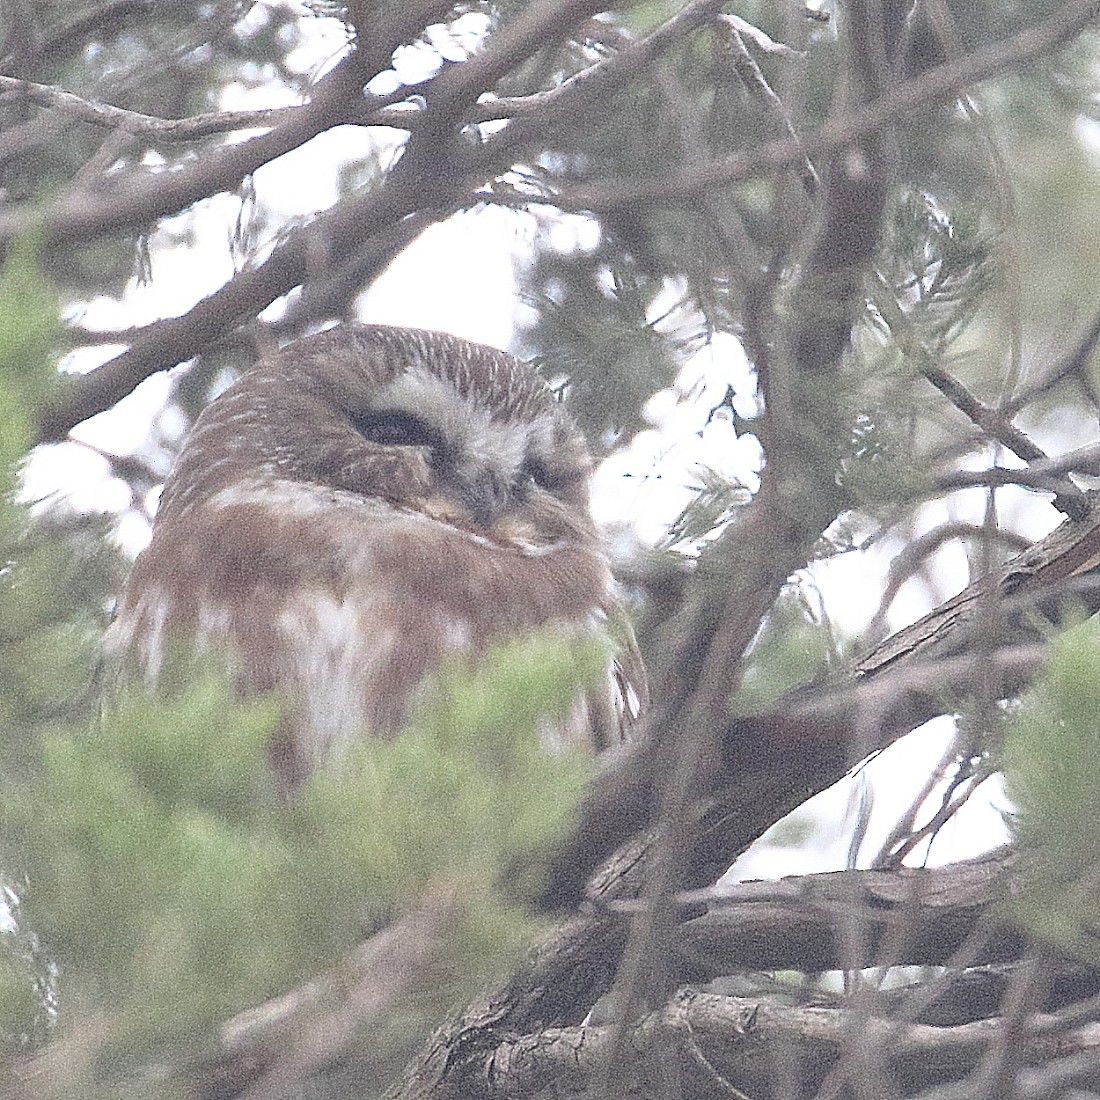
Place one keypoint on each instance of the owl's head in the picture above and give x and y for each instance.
(424, 421)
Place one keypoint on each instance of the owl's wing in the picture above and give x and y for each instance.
(615, 709)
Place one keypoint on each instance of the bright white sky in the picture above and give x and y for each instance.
(459, 277)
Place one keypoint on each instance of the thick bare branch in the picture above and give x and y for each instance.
(773, 761)
(728, 1046)
(912, 916)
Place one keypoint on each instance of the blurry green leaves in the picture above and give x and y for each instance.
(1052, 767)
(717, 499)
(175, 887)
(466, 788)
(54, 570)
(143, 841)
(156, 865)
(794, 645)
(29, 327)
(19, 1001)
(937, 274)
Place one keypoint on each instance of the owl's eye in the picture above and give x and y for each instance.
(395, 428)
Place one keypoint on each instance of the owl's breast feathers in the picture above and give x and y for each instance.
(342, 606)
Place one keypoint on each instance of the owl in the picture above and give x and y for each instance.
(362, 505)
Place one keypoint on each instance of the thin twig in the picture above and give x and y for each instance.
(904, 827)
(133, 122)
(917, 552)
(960, 788)
(995, 424)
(1072, 365)
(730, 30)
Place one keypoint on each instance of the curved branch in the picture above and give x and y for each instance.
(133, 203)
(133, 122)
(162, 344)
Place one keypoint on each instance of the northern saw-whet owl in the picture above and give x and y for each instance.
(360, 506)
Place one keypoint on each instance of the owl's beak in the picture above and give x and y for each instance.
(476, 501)
(485, 497)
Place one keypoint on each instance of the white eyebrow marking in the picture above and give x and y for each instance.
(465, 421)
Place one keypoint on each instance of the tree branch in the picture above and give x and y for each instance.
(137, 200)
(724, 1045)
(428, 178)
(902, 101)
(133, 122)
(772, 761)
(911, 916)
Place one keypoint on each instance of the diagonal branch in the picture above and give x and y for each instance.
(82, 215)
(774, 760)
(434, 177)
(905, 99)
(160, 345)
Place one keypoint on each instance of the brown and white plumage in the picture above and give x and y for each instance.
(362, 504)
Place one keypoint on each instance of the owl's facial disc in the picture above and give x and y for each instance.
(492, 472)
(466, 488)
